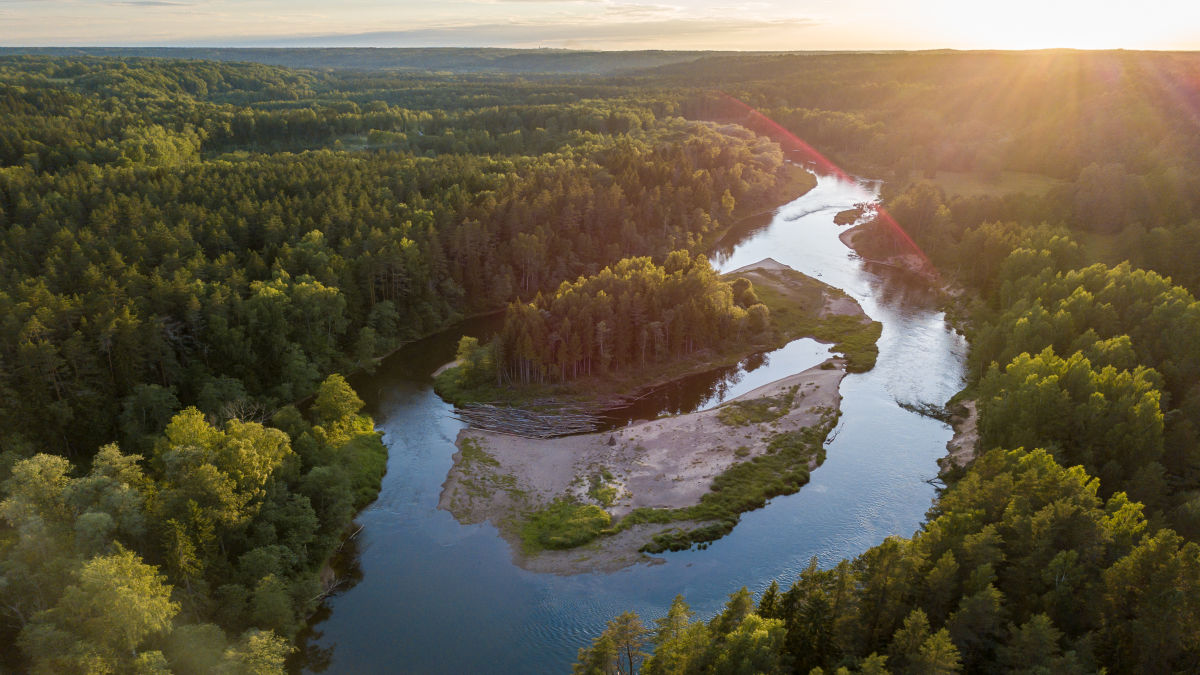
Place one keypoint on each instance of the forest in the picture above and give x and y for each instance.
(194, 252)
(190, 253)
(629, 315)
(1069, 545)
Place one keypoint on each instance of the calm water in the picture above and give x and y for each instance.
(439, 597)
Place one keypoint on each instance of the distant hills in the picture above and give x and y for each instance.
(459, 60)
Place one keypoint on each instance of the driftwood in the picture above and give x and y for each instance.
(937, 412)
(547, 423)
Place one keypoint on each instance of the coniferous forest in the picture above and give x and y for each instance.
(195, 252)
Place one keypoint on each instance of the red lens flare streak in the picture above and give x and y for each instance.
(822, 165)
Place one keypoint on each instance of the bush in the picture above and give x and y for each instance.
(563, 524)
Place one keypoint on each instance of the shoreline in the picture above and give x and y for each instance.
(667, 463)
(963, 447)
(908, 262)
(661, 471)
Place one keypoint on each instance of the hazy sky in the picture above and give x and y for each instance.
(607, 24)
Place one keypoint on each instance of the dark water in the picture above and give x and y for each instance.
(439, 597)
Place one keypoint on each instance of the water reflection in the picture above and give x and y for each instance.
(709, 389)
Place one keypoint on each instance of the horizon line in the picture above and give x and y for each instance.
(851, 50)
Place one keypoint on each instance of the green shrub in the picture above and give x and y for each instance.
(601, 490)
(755, 411)
(563, 524)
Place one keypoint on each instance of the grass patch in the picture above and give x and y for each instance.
(601, 488)
(795, 183)
(473, 453)
(758, 410)
(854, 339)
(740, 488)
(796, 301)
(449, 385)
(564, 524)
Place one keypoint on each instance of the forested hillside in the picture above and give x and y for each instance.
(1070, 544)
(432, 59)
(188, 248)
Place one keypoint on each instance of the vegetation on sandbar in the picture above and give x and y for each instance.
(564, 524)
(745, 486)
(757, 410)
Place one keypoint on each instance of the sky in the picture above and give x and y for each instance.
(606, 24)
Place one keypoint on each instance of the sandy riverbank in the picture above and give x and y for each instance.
(964, 446)
(664, 463)
(443, 368)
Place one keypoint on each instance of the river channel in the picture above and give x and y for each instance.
(434, 596)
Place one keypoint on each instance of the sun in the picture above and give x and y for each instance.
(1079, 24)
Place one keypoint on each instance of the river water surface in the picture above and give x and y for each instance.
(434, 596)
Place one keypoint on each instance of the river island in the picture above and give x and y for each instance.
(605, 500)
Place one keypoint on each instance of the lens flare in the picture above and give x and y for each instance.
(821, 164)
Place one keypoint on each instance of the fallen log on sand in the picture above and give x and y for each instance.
(563, 421)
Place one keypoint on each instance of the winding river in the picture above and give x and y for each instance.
(434, 596)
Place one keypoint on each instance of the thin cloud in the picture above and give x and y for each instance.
(603, 34)
(632, 11)
(152, 3)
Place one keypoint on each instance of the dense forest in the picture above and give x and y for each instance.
(1024, 565)
(146, 562)
(630, 315)
(150, 258)
(187, 249)
(191, 250)
(1070, 544)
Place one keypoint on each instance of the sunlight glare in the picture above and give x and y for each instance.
(1039, 24)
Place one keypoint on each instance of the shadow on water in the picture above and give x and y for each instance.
(416, 361)
(438, 596)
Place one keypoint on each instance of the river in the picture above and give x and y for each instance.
(434, 596)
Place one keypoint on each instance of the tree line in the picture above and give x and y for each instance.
(1021, 567)
(631, 315)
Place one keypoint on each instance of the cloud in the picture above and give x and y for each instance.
(152, 3)
(662, 33)
(632, 11)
